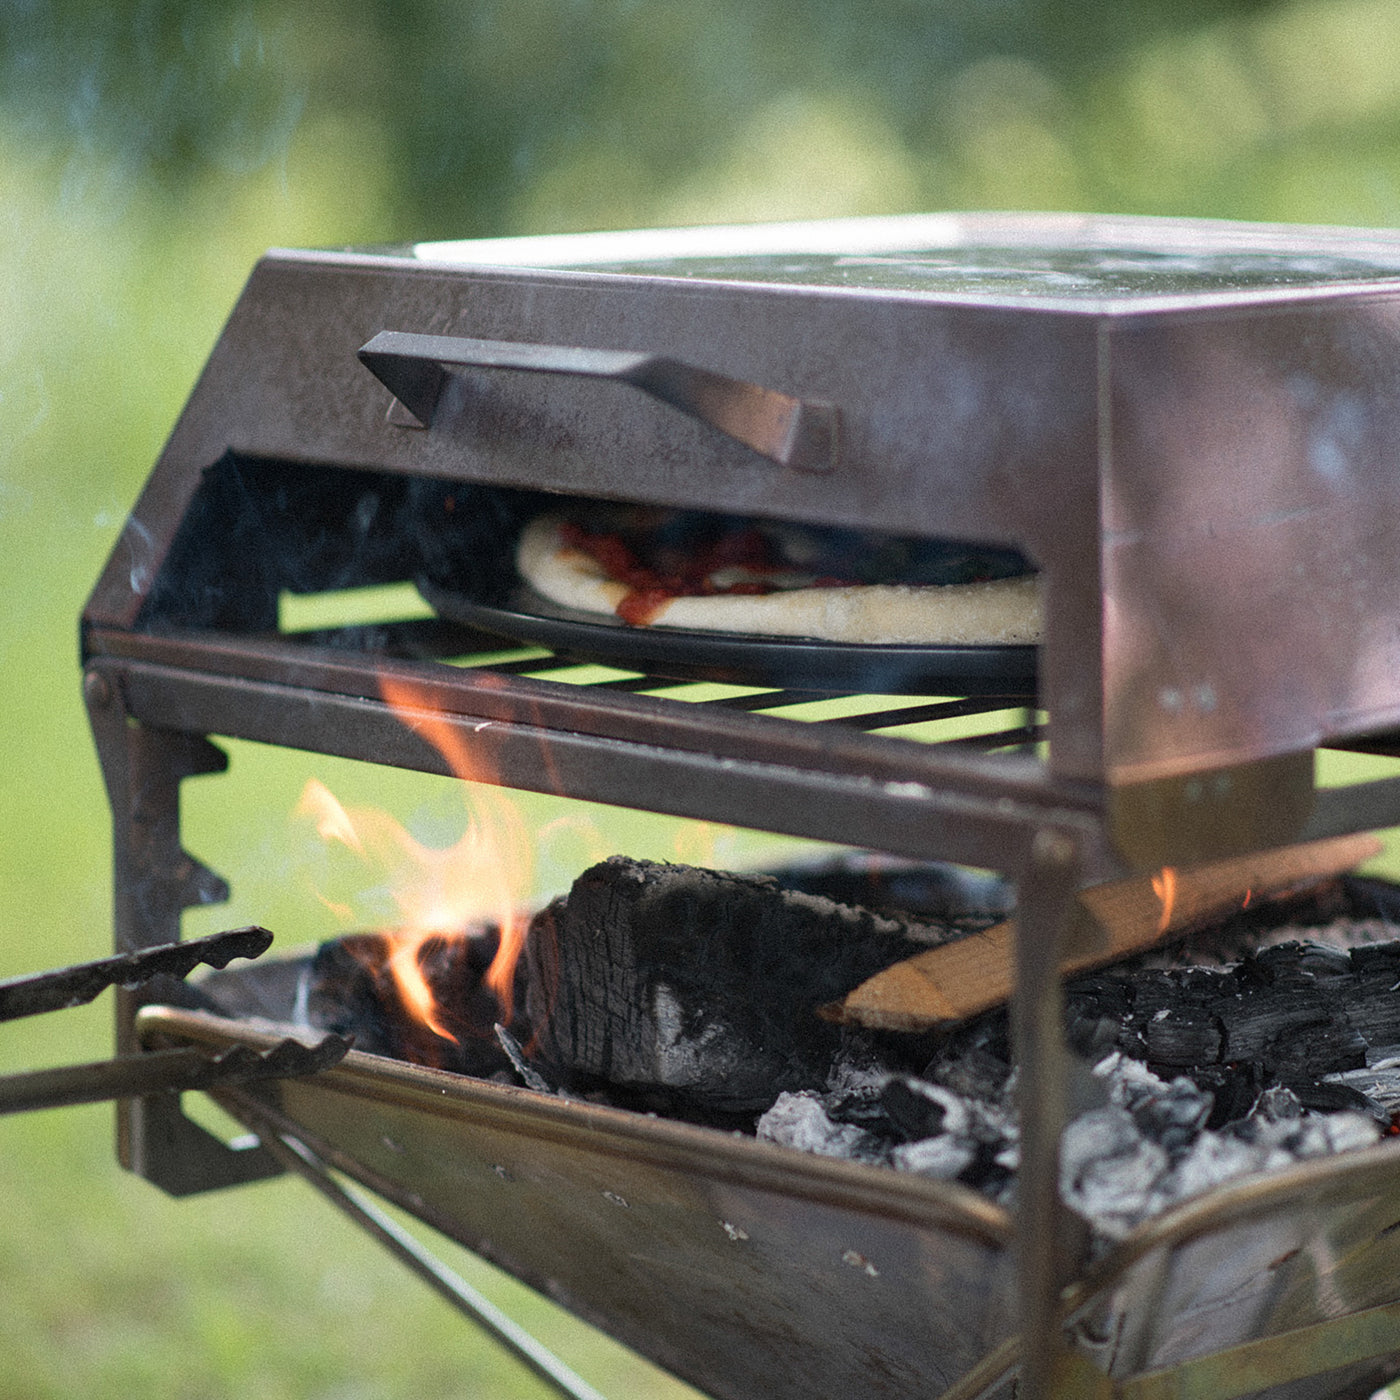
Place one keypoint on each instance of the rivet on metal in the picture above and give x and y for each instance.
(98, 689)
(1053, 847)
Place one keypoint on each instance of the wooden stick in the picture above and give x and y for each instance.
(1114, 920)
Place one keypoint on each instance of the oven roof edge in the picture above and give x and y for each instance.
(1095, 266)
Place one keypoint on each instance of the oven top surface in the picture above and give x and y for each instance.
(1089, 262)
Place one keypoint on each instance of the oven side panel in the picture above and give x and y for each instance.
(1251, 534)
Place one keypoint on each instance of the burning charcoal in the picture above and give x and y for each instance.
(1095, 1010)
(1320, 963)
(1183, 1035)
(1382, 959)
(1372, 1004)
(1103, 994)
(1148, 992)
(931, 892)
(1091, 1036)
(1283, 966)
(352, 991)
(975, 1060)
(1278, 1104)
(530, 1077)
(1171, 1113)
(800, 1120)
(948, 1136)
(1335, 1096)
(1233, 1089)
(1252, 1021)
(697, 987)
(1321, 1048)
(344, 998)
(854, 1091)
(860, 1110)
(917, 1109)
(978, 1073)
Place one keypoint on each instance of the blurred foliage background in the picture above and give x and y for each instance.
(151, 149)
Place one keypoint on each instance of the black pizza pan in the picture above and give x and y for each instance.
(516, 612)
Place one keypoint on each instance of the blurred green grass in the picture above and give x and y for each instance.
(136, 189)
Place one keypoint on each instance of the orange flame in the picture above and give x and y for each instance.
(1164, 887)
(446, 892)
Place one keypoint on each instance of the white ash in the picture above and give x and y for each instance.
(800, 1120)
(1145, 1149)
(1117, 1175)
(944, 1157)
(1110, 1172)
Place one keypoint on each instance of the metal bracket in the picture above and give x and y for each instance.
(155, 880)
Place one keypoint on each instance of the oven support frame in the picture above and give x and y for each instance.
(151, 719)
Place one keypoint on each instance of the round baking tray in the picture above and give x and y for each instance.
(517, 612)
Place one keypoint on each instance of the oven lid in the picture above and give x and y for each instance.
(1103, 263)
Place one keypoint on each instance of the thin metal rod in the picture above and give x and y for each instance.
(769, 699)
(158, 1071)
(923, 714)
(128, 1076)
(280, 1138)
(39, 992)
(1003, 738)
(545, 661)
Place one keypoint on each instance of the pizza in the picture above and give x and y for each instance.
(700, 571)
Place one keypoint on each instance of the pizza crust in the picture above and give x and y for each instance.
(997, 612)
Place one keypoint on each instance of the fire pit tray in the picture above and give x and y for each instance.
(751, 1270)
(734, 658)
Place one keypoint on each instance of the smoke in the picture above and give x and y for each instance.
(148, 89)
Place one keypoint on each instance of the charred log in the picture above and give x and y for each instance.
(696, 987)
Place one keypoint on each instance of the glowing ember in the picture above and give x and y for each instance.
(1164, 887)
(440, 892)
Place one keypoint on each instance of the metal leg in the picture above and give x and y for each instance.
(279, 1137)
(1045, 1262)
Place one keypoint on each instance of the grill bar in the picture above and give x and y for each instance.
(694, 763)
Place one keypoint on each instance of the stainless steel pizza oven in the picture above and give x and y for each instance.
(1189, 429)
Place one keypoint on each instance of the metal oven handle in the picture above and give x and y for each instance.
(797, 433)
